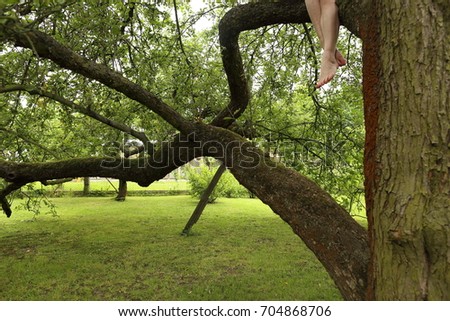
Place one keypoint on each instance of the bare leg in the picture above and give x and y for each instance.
(324, 17)
(329, 24)
(314, 11)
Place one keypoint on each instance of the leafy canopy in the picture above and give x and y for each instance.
(172, 50)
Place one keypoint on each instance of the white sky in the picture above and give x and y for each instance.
(197, 4)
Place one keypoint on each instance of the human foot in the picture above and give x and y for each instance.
(340, 59)
(328, 68)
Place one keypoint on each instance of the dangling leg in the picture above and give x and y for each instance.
(314, 11)
(324, 17)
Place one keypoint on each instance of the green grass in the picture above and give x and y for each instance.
(99, 249)
(111, 185)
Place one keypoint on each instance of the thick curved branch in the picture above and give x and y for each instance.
(144, 170)
(338, 241)
(45, 46)
(256, 15)
(85, 111)
(241, 18)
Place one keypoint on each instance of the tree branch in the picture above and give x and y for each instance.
(5, 192)
(313, 52)
(47, 47)
(238, 19)
(29, 141)
(56, 181)
(131, 6)
(143, 170)
(134, 150)
(85, 111)
(180, 40)
(245, 17)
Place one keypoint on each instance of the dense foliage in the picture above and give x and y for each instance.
(200, 177)
(172, 50)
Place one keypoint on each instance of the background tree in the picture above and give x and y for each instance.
(408, 214)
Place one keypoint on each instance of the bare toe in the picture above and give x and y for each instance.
(324, 81)
(328, 69)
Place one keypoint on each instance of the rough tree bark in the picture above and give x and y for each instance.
(86, 185)
(407, 106)
(122, 191)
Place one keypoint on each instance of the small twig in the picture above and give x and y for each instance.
(349, 44)
(313, 51)
(179, 33)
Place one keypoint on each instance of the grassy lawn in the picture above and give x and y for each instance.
(99, 249)
(111, 185)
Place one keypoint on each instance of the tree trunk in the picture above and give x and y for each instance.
(122, 193)
(407, 164)
(86, 186)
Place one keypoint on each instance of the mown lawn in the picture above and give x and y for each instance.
(113, 184)
(99, 249)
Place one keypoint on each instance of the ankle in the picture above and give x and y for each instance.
(329, 55)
